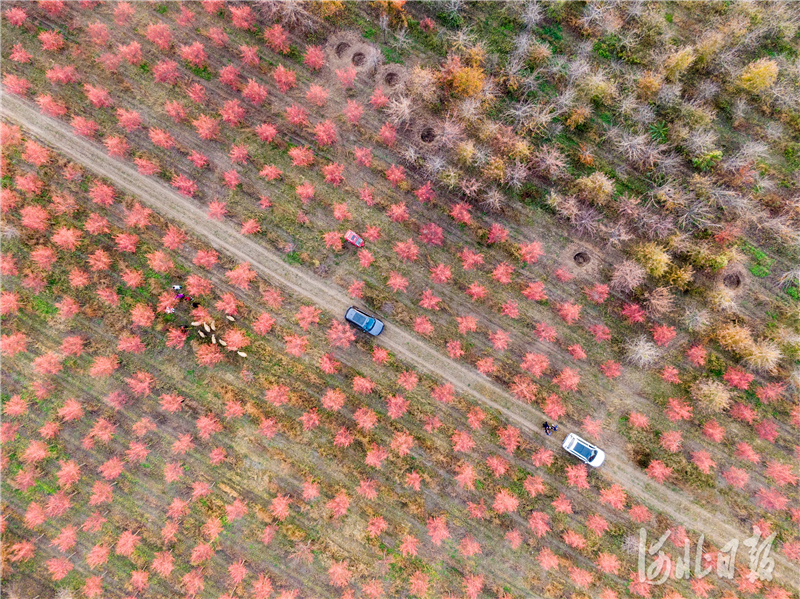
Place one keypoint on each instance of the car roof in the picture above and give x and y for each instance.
(359, 317)
(583, 450)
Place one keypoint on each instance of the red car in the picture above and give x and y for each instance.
(354, 238)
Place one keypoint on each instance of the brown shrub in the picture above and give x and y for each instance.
(711, 396)
(735, 338)
(627, 276)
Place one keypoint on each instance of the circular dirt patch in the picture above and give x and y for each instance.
(582, 258)
(391, 79)
(732, 281)
(359, 58)
(341, 48)
(428, 135)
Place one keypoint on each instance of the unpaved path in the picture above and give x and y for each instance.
(409, 348)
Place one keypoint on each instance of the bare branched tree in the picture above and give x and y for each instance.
(629, 206)
(706, 90)
(790, 278)
(516, 175)
(593, 15)
(774, 131)
(617, 235)
(451, 177)
(553, 129)
(303, 552)
(753, 150)
(522, 45)
(670, 163)
(401, 39)
(660, 301)
(564, 101)
(532, 13)
(422, 84)
(641, 113)
(739, 109)
(291, 13)
(469, 109)
(452, 132)
(549, 160)
(462, 40)
(701, 141)
(493, 200)
(567, 207)
(631, 544)
(519, 112)
(630, 145)
(783, 231)
(400, 111)
(587, 222)
(514, 66)
(435, 164)
(540, 117)
(642, 352)
(655, 226)
(696, 215)
(410, 155)
(578, 68)
(557, 68)
(627, 276)
(763, 183)
(722, 300)
(481, 155)
(453, 7)
(696, 320)
(471, 187)
(669, 94)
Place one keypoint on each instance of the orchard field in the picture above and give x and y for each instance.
(581, 212)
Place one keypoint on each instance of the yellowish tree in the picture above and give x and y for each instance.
(759, 75)
(677, 62)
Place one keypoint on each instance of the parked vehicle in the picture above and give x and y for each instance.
(363, 321)
(583, 450)
(354, 238)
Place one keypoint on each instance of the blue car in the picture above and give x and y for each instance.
(364, 322)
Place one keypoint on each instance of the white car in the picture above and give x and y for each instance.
(583, 450)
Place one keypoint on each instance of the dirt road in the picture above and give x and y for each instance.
(409, 348)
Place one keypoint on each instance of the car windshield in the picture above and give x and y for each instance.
(584, 451)
(369, 324)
